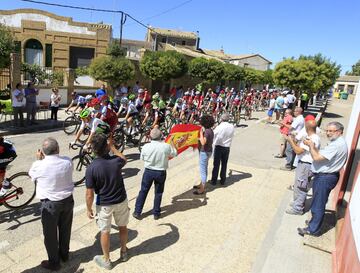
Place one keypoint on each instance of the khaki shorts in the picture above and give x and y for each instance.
(282, 139)
(104, 215)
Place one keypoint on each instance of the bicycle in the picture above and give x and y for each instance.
(80, 163)
(72, 125)
(122, 137)
(21, 193)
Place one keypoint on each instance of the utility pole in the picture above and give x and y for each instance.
(122, 22)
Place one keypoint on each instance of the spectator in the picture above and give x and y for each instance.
(31, 106)
(326, 166)
(18, 103)
(54, 103)
(296, 126)
(304, 100)
(271, 108)
(103, 177)
(223, 135)
(123, 89)
(179, 92)
(291, 99)
(304, 160)
(54, 188)
(136, 87)
(155, 156)
(279, 106)
(284, 131)
(100, 92)
(205, 150)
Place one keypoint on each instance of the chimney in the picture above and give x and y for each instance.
(197, 45)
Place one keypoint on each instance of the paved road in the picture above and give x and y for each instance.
(17, 227)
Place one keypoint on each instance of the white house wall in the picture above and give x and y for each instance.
(255, 62)
(14, 20)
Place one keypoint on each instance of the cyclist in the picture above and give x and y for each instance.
(159, 107)
(77, 100)
(177, 108)
(107, 113)
(7, 155)
(95, 125)
(131, 112)
(139, 102)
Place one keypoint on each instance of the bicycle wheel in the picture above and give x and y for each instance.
(144, 138)
(80, 164)
(119, 140)
(84, 136)
(70, 125)
(22, 191)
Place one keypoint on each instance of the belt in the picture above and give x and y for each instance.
(305, 162)
(324, 174)
(155, 170)
(47, 199)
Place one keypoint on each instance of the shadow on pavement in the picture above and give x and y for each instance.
(86, 254)
(11, 216)
(332, 115)
(231, 179)
(129, 172)
(132, 157)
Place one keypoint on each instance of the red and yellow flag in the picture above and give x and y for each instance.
(185, 136)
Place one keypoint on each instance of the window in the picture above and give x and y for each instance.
(163, 39)
(183, 42)
(81, 56)
(48, 55)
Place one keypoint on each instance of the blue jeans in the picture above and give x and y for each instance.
(290, 155)
(221, 155)
(150, 176)
(203, 162)
(322, 186)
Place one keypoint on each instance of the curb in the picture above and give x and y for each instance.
(31, 129)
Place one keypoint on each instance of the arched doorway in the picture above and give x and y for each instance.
(33, 52)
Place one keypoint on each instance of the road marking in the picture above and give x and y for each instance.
(4, 244)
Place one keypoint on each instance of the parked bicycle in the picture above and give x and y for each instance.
(21, 192)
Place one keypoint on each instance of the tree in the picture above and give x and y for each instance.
(326, 73)
(7, 46)
(208, 71)
(113, 71)
(251, 76)
(268, 77)
(233, 72)
(298, 75)
(115, 50)
(35, 71)
(163, 65)
(355, 69)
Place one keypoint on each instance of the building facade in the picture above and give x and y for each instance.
(53, 41)
(348, 83)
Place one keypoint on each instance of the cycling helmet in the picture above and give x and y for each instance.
(140, 91)
(132, 97)
(213, 96)
(179, 100)
(155, 105)
(156, 96)
(197, 93)
(187, 93)
(124, 100)
(148, 106)
(222, 92)
(85, 113)
(236, 99)
(222, 95)
(105, 98)
(88, 98)
(94, 101)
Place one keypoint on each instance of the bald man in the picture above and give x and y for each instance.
(304, 160)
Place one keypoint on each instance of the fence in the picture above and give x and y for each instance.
(43, 76)
(4, 78)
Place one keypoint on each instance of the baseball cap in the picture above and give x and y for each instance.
(309, 117)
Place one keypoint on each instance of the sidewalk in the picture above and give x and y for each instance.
(44, 123)
(219, 232)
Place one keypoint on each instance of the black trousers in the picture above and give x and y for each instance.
(54, 110)
(18, 113)
(221, 155)
(56, 219)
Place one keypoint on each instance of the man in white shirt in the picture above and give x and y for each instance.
(296, 126)
(54, 188)
(304, 160)
(18, 104)
(291, 99)
(223, 135)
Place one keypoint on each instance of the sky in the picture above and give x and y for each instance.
(274, 28)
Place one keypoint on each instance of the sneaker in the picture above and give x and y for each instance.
(293, 212)
(100, 261)
(3, 191)
(124, 257)
(136, 215)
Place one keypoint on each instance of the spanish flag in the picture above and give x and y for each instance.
(185, 136)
